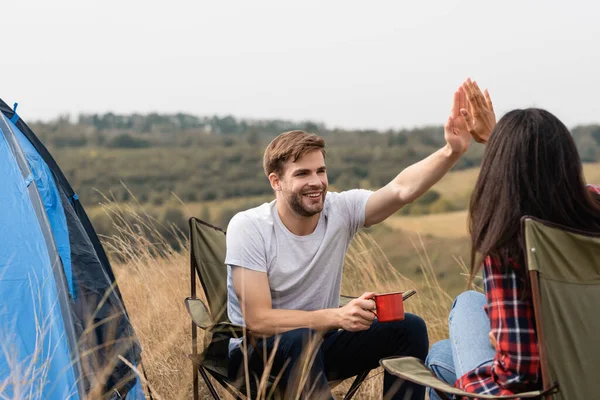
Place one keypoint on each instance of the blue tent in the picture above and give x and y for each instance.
(63, 323)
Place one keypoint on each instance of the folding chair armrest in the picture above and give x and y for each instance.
(412, 369)
(199, 312)
(201, 317)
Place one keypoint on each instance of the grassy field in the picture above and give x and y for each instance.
(592, 173)
(460, 183)
(425, 252)
(447, 225)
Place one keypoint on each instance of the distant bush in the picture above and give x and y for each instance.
(442, 206)
(432, 202)
(126, 141)
(428, 197)
(596, 135)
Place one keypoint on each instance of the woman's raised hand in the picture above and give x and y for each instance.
(479, 117)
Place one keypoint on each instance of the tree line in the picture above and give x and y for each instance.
(213, 158)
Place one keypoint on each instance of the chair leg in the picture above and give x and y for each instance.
(442, 395)
(209, 384)
(195, 380)
(356, 384)
(233, 391)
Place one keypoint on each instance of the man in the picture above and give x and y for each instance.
(285, 262)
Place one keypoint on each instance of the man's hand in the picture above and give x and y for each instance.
(480, 118)
(456, 131)
(358, 315)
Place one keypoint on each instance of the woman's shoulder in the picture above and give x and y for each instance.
(492, 263)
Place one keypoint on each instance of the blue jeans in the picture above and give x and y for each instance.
(469, 344)
(340, 354)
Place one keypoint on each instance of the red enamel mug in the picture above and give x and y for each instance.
(390, 307)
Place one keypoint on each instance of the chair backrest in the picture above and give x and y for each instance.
(207, 245)
(564, 268)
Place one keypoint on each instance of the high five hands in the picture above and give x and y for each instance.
(472, 114)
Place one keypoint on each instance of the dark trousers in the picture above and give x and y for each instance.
(305, 361)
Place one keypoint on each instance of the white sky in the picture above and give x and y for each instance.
(353, 64)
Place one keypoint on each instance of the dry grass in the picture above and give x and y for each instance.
(154, 280)
(368, 269)
(459, 184)
(592, 173)
(448, 225)
(154, 300)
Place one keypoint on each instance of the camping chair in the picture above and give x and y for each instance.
(207, 254)
(564, 270)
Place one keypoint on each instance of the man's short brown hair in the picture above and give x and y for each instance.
(290, 146)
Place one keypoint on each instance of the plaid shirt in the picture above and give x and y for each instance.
(516, 366)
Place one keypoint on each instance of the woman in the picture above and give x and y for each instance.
(530, 167)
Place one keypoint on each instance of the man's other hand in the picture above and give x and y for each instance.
(358, 315)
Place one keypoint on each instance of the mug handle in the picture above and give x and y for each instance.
(408, 293)
(374, 312)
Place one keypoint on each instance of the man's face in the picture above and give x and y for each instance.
(304, 184)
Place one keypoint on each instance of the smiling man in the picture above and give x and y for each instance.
(285, 261)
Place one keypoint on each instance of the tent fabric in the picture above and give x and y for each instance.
(83, 291)
(61, 182)
(54, 210)
(568, 266)
(33, 332)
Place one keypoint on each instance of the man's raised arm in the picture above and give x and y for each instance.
(252, 290)
(416, 179)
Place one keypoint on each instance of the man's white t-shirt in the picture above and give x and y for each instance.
(304, 272)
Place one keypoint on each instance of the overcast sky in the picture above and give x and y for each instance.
(354, 64)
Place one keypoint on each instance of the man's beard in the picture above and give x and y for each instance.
(296, 204)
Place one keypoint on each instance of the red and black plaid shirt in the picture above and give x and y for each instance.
(516, 366)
